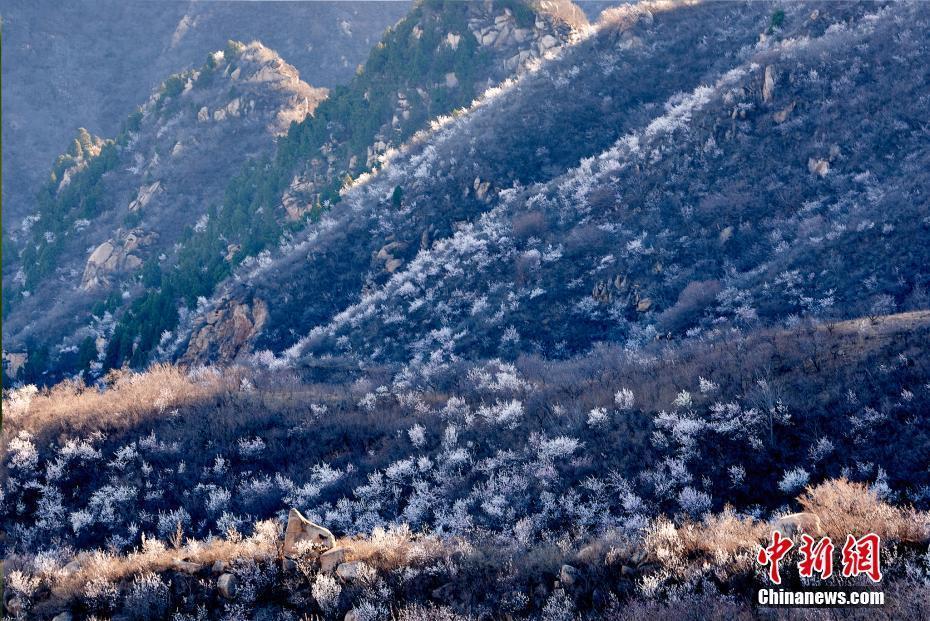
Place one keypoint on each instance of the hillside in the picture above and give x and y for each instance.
(514, 471)
(88, 63)
(250, 202)
(114, 210)
(535, 318)
(657, 233)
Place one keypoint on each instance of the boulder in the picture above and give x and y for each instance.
(351, 571)
(186, 567)
(218, 567)
(331, 559)
(226, 585)
(644, 305)
(568, 575)
(63, 616)
(301, 530)
(799, 523)
(818, 167)
(768, 84)
(227, 331)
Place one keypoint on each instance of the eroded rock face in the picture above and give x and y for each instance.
(227, 331)
(146, 194)
(300, 530)
(115, 256)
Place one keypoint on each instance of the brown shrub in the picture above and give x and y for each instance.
(852, 508)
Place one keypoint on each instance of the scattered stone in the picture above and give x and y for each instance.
(818, 167)
(226, 584)
(798, 523)
(330, 560)
(568, 575)
(351, 571)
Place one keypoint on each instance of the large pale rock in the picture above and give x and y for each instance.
(799, 523)
(14, 361)
(301, 530)
(114, 256)
(568, 575)
(768, 84)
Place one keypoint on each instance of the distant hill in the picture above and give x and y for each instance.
(87, 63)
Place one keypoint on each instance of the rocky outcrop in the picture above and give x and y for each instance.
(145, 195)
(227, 331)
(13, 362)
(768, 84)
(115, 256)
(302, 532)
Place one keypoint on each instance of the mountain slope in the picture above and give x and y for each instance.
(113, 211)
(657, 233)
(435, 52)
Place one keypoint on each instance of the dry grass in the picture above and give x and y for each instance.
(724, 544)
(67, 581)
(129, 399)
(852, 508)
(728, 542)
